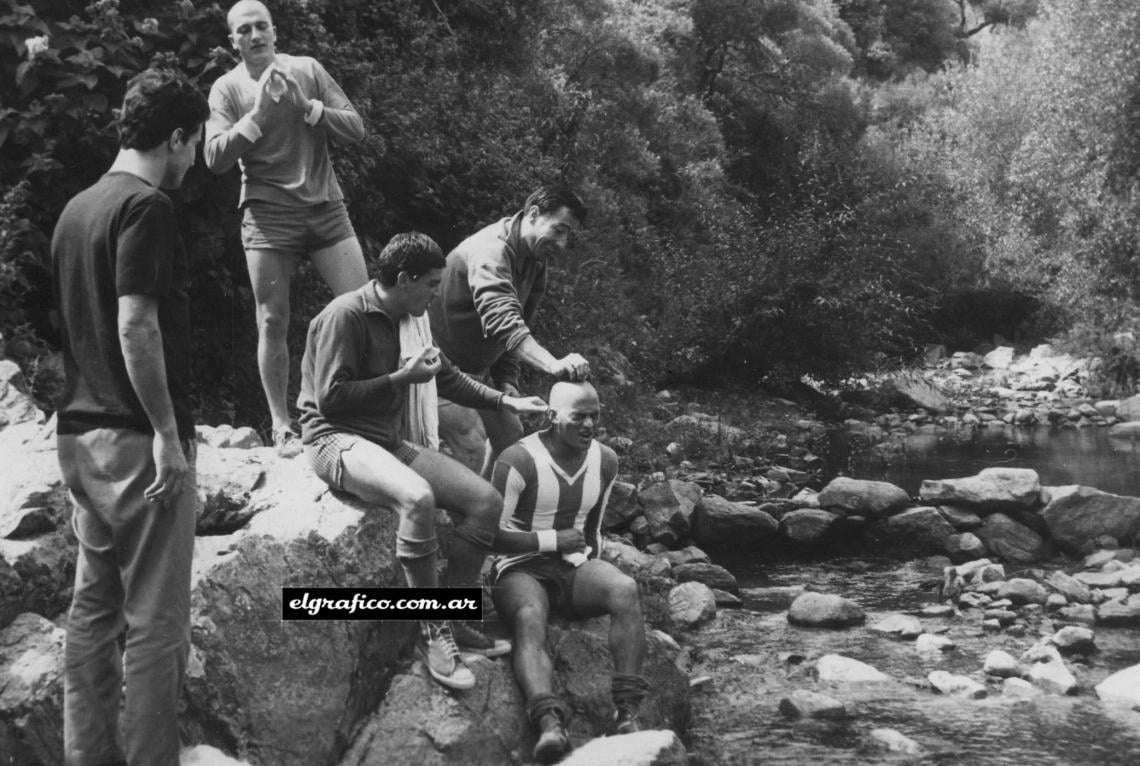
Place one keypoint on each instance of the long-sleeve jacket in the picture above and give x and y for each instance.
(351, 351)
(491, 288)
(287, 161)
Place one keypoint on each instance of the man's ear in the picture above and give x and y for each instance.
(177, 138)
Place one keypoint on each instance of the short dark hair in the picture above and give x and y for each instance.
(549, 199)
(158, 101)
(411, 252)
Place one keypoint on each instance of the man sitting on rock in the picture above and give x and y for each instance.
(555, 485)
(368, 381)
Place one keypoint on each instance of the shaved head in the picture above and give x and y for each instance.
(564, 394)
(242, 6)
(574, 412)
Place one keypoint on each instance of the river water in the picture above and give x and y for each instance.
(1060, 456)
(754, 658)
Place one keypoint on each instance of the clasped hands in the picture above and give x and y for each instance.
(292, 97)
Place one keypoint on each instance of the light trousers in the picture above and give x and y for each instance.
(132, 573)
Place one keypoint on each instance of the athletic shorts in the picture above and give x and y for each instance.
(325, 452)
(554, 575)
(296, 230)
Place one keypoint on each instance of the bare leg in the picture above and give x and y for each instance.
(460, 491)
(270, 272)
(523, 604)
(377, 477)
(341, 266)
(601, 588)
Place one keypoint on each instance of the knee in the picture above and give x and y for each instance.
(624, 597)
(417, 507)
(273, 319)
(486, 509)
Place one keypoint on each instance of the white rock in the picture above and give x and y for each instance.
(1122, 686)
(643, 748)
(929, 642)
(959, 686)
(1053, 677)
(1018, 687)
(900, 625)
(837, 669)
(1001, 664)
(204, 755)
(895, 742)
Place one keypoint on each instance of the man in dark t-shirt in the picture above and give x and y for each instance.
(126, 433)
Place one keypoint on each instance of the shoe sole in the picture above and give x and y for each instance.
(448, 681)
(552, 753)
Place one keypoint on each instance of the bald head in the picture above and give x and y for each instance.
(242, 7)
(574, 416)
(564, 394)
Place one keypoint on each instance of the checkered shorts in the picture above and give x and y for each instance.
(325, 455)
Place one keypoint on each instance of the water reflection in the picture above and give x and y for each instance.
(1087, 456)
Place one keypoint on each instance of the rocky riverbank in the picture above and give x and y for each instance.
(275, 692)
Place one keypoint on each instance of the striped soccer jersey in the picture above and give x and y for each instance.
(538, 494)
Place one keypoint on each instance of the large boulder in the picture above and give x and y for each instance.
(227, 478)
(712, 575)
(917, 531)
(691, 604)
(668, 507)
(37, 575)
(421, 723)
(861, 497)
(288, 692)
(720, 522)
(992, 489)
(807, 525)
(825, 610)
(31, 692)
(917, 391)
(622, 507)
(1012, 541)
(1078, 518)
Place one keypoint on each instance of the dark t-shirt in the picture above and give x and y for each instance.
(118, 237)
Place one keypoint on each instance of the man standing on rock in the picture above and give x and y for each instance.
(368, 385)
(555, 486)
(275, 114)
(126, 433)
(491, 288)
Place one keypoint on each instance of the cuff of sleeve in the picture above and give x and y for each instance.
(499, 403)
(248, 128)
(315, 112)
(517, 336)
(547, 540)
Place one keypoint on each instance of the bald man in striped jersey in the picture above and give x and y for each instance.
(555, 485)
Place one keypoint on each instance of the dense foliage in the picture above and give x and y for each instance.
(777, 187)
